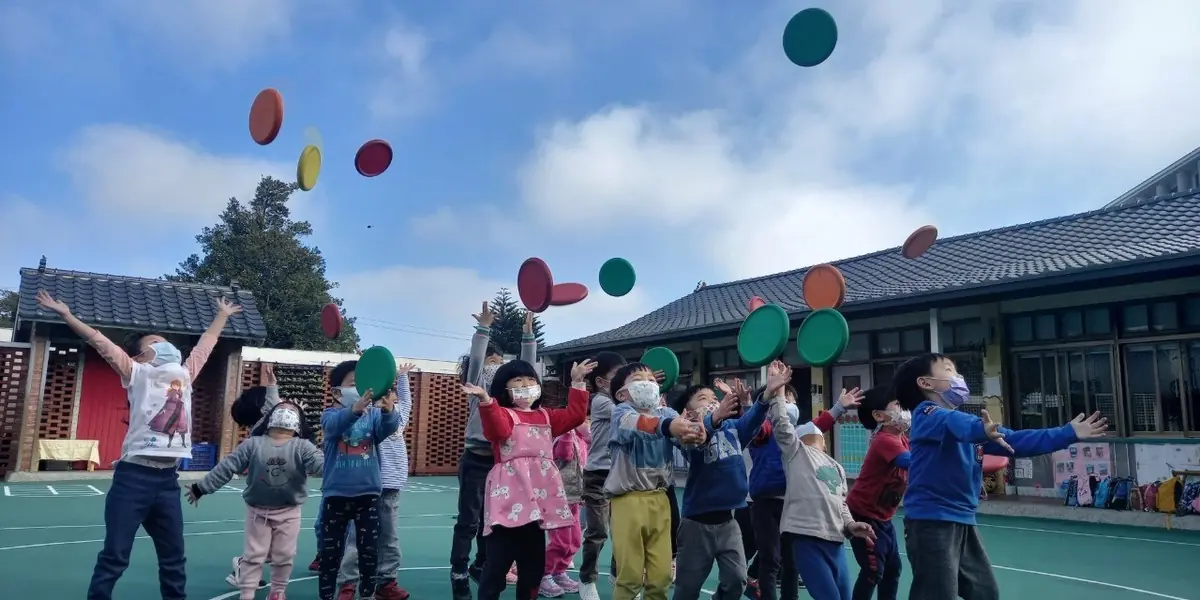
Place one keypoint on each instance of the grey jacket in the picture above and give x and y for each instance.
(475, 442)
(815, 502)
(278, 471)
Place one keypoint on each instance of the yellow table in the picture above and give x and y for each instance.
(68, 450)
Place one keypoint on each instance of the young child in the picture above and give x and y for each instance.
(524, 490)
(877, 493)
(393, 475)
(641, 471)
(570, 454)
(595, 472)
(351, 486)
(279, 459)
(717, 485)
(145, 483)
(478, 368)
(815, 515)
(945, 476)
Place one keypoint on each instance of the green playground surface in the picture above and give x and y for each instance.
(55, 530)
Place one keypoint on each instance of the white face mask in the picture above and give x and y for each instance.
(165, 353)
(284, 418)
(349, 396)
(643, 395)
(899, 417)
(793, 413)
(489, 373)
(524, 397)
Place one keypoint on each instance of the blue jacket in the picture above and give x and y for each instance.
(351, 449)
(767, 477)
(717, 478)
(946, 474)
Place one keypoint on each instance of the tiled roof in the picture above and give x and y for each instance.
(1150, 231)
(137, 303)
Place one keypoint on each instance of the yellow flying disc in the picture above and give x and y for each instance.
(308, 168)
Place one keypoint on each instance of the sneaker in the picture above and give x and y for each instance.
(549, 589)
(511, 577)
(389, 591)
(460, 587)
(315, 565)
(751, 589)
(475, 572)
(565, 582)
(588, 591)
(233, 576)
(672, 570)
(277, 596)
(348, 591)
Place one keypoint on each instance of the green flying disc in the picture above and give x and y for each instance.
(617, 277)
(764, 335)
(376, 371)
(810, 37)
(662, 359)
(822, 337)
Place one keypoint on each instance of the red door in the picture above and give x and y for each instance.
(103, 408)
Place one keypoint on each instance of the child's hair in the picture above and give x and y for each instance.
(876, 398)
(339, 373)
(306, 431)
(508, 372)
(247, 409)
(618, 380)
(680, 401)
(605, 362)
(132, 343)
(904, 383)
(464, 361)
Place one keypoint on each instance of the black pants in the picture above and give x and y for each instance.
(336, 515)
(749, 543)
(879, 563)
(674, 500)
(775, 565)
(595, 524)
(147, 497)
(473, 469)
(948, 561)
(525, 545)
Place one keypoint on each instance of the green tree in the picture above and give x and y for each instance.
(261, 248)
(8, 307)
(508, 328)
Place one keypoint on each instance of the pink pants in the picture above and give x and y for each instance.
(564, 543)
(271, 536)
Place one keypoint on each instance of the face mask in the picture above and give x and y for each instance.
(349, 396)
(489, 373)
(898, 417)
(164, 353)
(524, 397)
(643, 395)
(958, 392)
(284, 418)
(793, 413)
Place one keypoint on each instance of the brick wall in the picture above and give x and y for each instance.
(15, 367)
(59, 392)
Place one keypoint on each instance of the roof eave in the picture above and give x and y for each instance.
(225, 334)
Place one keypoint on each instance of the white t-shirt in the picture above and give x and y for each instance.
(160, 412)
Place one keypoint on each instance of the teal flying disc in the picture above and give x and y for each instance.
(376, 371)
(663, 359)
(822, 337)
(617, 277)
(764, 335)
(810, 37)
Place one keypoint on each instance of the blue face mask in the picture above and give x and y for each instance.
(165, 353)
(349, 396)
(958, 392)
(793, 413)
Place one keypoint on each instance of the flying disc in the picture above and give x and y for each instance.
(764, 335)
(312, 137)
(810, 37)
(822, 337)
(919, 241)
(756, 302)
(617, 277)
(824, 287)
(308, 168)
(994, 464)
(373, 158)
(331, 320)
(266, 116)
(535, 284)
(566, 294)
(663, 359)
(376, 371)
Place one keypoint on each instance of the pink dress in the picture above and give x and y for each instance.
(525, 487)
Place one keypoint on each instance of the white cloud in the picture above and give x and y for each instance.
(407, 87)
(510, 49)
(225, 32)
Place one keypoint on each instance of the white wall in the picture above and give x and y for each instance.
(5, 335)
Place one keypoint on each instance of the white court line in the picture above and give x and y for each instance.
(97, 490)
(212, 522)
(52, 490)
(1093, 535)
(200, 533)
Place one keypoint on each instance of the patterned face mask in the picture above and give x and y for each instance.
(489, 373)
(524, 397)
(284, 418)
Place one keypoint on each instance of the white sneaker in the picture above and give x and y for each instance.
(232, 577)
(588, 591)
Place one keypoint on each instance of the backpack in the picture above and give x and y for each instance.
(1135, 498)
(1169, 494)
(1083, 490)
(1121, 493)
(1102, 491)
(1072, 486)
(1191, 498)
(1150, 497)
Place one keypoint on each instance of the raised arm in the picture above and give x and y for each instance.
(629, 425)
(110, 352)
(1033, 442)
(237, 462)
(528, 341)
(932, 423)
(337, 421)
(563, 420)
(312, 458)
(479, 344)
(782, 428)
(199, 355)
(404, 397)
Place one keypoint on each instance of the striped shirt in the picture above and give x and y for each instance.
(393, 452)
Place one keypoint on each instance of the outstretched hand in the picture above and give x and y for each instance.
(363, 402)
(191, 495)
(580, 370)
(226, 308)
(852, 398)
(268, 378)
(46, 301)
(1092, 426)
(486, 317)
(778, 375)
(993, 431)
(404, 369)
(527, 328)
(471, 389)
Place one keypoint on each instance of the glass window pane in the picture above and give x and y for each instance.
(1096, 321)
(1191, 311)
(887, 343)
(1076, 385)
(946, 337)
(1050, 396)
(913, 341)
(968, 335)
(1100, 389)
(1135, 319)
(733, 358)
(858, 349)
(1142, 379)
(882, 373)
(1170, 380)
(1020, 330)
(1029, 390)
(1072, 324)
(1046, 327)
(1164, 317)
(1193, 400)
(716, 360)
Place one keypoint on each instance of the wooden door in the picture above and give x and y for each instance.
(103, 408)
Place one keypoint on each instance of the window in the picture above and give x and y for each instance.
(1067, 324)
(1020, 329)
(724, 359)
(1053, 387)
(882, 373)
(1037, 390)
(858, 349)
(1045, 327)
(1193, 398)
(1154, 382)
(1096, 321)
(887, 343)
(1071, 324)
(962, 335)
(1135, 318)
(912, 341)
(907, 341)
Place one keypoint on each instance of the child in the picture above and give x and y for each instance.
(524, 493)
(393, 475)
(768, 486)
(815, 516)
(717, 485)
(279, 464)
(478, 368)
(145, 483)
(595, 472)
(351, 486)
(570, 454)
(637, 482)
(945, 477)
(877, 493)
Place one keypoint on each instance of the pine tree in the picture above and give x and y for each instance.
(507, 329)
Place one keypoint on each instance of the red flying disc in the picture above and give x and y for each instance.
(373, 158)
(756, 302)
(266, 116)
(994, 464)
(566, 294)
(331, 320)
(919, 241)
(824, 287)
(535, 284)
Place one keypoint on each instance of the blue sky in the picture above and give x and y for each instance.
(673, 133)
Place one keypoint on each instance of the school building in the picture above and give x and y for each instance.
(1097, 311)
